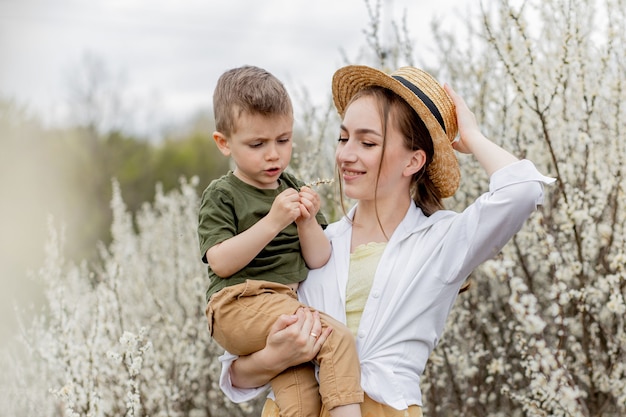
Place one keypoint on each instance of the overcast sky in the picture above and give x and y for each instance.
(168, 54)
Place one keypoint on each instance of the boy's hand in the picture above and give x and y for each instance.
(310, 203)
(285, 208)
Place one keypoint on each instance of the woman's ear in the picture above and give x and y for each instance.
(222, 143)
(417, 161)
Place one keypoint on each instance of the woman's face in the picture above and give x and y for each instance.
(360, 149)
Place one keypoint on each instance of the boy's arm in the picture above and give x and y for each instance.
(231, 255)
(314, 244)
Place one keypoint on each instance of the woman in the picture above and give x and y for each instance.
(399, 259)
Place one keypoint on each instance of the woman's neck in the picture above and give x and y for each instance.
(369, 218)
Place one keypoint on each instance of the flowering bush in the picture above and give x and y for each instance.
(541, 331)
(128, 338)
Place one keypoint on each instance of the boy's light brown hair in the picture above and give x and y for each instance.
(250, 90)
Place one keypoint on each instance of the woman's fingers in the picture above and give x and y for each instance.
(321, 339)
(466, 121)
(297, 338)
(312, 333)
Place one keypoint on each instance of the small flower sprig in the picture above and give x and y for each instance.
(319, 181)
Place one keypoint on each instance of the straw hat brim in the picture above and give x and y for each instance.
(444, 168)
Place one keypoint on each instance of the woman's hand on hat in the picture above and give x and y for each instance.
(466, 121)
(491, 156)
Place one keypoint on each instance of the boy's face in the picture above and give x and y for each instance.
(260, 147)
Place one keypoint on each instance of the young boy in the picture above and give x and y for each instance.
(259, 230)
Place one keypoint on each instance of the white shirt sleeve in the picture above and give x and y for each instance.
(488, 224)
(236, 395)
(516, 173)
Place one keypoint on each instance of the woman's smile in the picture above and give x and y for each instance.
(349, 174)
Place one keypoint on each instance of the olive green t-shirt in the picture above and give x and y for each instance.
(230, 206)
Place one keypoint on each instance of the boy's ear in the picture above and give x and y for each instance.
(417, 161)
(222, 143)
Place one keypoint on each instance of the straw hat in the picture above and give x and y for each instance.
(429, 100)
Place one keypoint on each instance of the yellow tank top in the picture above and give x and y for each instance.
(363, 264)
